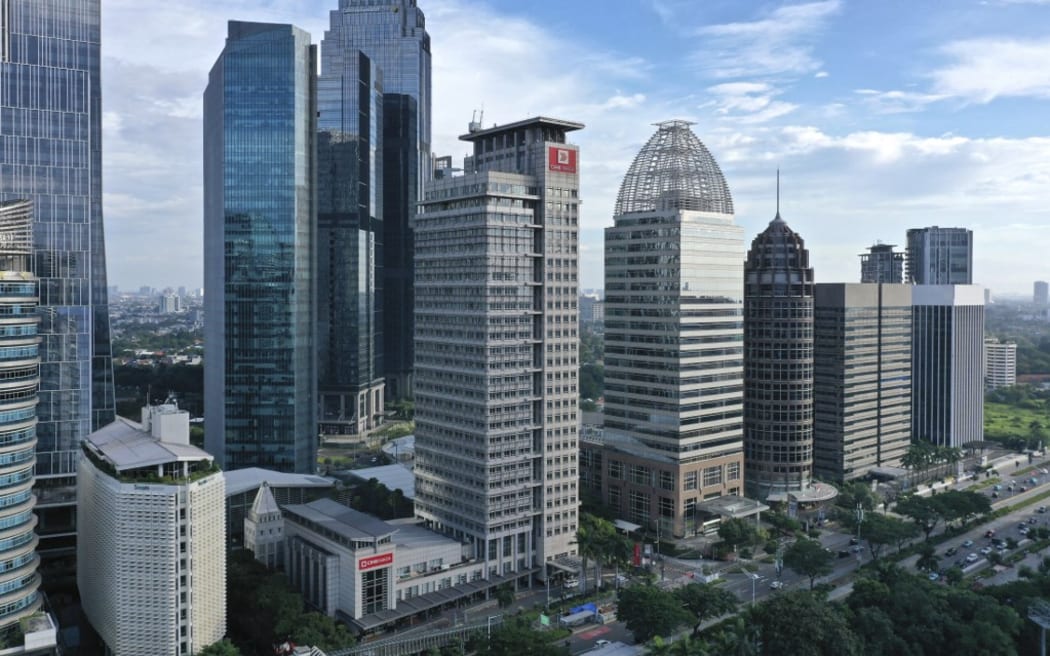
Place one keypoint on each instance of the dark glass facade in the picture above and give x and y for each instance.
(778, 364)
(51, 154)
(260, 229)
(350, 246)
(393, 35)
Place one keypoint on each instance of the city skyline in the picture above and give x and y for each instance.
(946, 134)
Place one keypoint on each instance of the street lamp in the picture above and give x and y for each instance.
(755, 578)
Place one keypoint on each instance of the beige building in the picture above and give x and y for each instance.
(674, 283)
(862, 378)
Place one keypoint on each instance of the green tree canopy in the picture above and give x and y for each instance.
(737, 532)
(649, 611)
(221, 648)
(706, 602)
(803, 623)
(808, 558)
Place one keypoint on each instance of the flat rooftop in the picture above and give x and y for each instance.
(239, 481)
(394, 477)
(341, 520)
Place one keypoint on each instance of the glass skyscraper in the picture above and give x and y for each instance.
(392, 33)
(350, 242)
(51, 154)
(259, 233)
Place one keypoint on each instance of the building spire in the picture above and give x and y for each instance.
(777, 217)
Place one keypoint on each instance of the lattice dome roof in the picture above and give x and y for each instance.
(674, 170)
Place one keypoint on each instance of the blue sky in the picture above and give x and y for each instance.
(881, 115)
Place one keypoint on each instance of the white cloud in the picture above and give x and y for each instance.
(748, 102)
(897, 102)
(779, 43)
(988, 68)
(820, 74)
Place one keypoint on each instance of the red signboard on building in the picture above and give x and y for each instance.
(375, 561)
(562, 160)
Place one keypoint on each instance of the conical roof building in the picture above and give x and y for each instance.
(673, 433)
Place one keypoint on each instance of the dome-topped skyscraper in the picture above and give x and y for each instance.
(674, 170)
(673, 432)
(778, 367)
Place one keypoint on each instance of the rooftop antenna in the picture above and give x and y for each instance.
(778, 191)
(476, 119)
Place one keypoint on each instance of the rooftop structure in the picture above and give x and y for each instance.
(674, 170)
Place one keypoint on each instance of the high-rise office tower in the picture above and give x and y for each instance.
(861, 378)
(947, 364)
(260, 381)
(673, 432)
(152, 537)
(1000, 363)
(940, 256)
(1041, 292)
(497, 347)
(393, 35)
(51, 154)
(882, 264)
(778, 365)
(349, 242)
(19, 369)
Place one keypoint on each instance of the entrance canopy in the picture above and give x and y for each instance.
(730, 506)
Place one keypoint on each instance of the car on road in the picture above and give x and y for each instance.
(776, 585)
(854, 541)
(1024, 489)
(985, 551)
(843, 553)
(602, 643)
(997, 488)
(967, 544)
(1041, 509)
(990, 533)
(934, 576)
(1032, 520)
(972, 558)
(951, 552)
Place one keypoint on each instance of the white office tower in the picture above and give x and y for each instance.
(947, 364)
(496, 347)
(1000, 363)
(152, 544)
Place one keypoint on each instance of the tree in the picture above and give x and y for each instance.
(927, 560)
(221, 648)
(784, 525)
(925, 512)
(518, 639)
(505, 595)
(319, 630)
(803, 623)
(881, 530)
(706, 602)
(808, 558)
(648, 611)
(954, 575)
(737, 532)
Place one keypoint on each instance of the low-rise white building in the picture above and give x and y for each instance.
(152, 542)
(1000, 363)
(370, 572)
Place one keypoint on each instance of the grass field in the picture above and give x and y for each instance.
(1006, 421)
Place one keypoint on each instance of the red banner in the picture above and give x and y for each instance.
(562, 160)
(375, 561)
(637, 554)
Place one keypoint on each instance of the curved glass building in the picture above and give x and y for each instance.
(19, 383)
(778, 362)
(674, 366)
